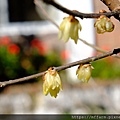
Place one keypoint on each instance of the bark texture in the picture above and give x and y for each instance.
(113, 5)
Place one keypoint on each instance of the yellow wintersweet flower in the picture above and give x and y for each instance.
(52, 83)
(104, 24)
(84, 72)
(69, 29)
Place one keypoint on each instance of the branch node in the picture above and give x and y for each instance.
(47, 1)
(116, 51)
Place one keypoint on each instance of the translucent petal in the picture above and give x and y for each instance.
(84, 72)
(52, 83)
(54, 92)
(69, 29)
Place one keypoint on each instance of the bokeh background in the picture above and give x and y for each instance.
(29, 44)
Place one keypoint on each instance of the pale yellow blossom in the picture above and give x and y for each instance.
(84, 72)
(104, 24)
(69, 29)
(52, 83)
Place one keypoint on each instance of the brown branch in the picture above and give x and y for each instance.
(51, 20)
(80, 14)
(87, 60)
(2, 84)
(113, 5)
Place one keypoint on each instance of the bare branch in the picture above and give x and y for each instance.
(51, 20)
(2, 84)
(96, 47)
(37, 3)
(87, 60)
(80, 14)
(63, 67)
(113, 5)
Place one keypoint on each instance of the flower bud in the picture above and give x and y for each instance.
(104, 24)
(84, 72)
(69, 29)
(52, 83)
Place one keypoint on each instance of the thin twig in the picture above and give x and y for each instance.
(2, 84)
(93, 46)
(96, 47)
(37, 3)
(87, 60)
(63, 67)
(80, 14)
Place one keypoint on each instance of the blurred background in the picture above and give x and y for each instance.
(29, 44)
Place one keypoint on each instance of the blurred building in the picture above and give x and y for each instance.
(20, 17)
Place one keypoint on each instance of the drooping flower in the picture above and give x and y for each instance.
(104, 24)
(52, 82)
(69, 29)
(84, 72)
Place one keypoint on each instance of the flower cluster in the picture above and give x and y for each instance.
(104, 24)
(70, 26)
(52, 82)
(69, 29)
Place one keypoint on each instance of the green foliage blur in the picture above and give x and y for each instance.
(20, 59)
(106, 68)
